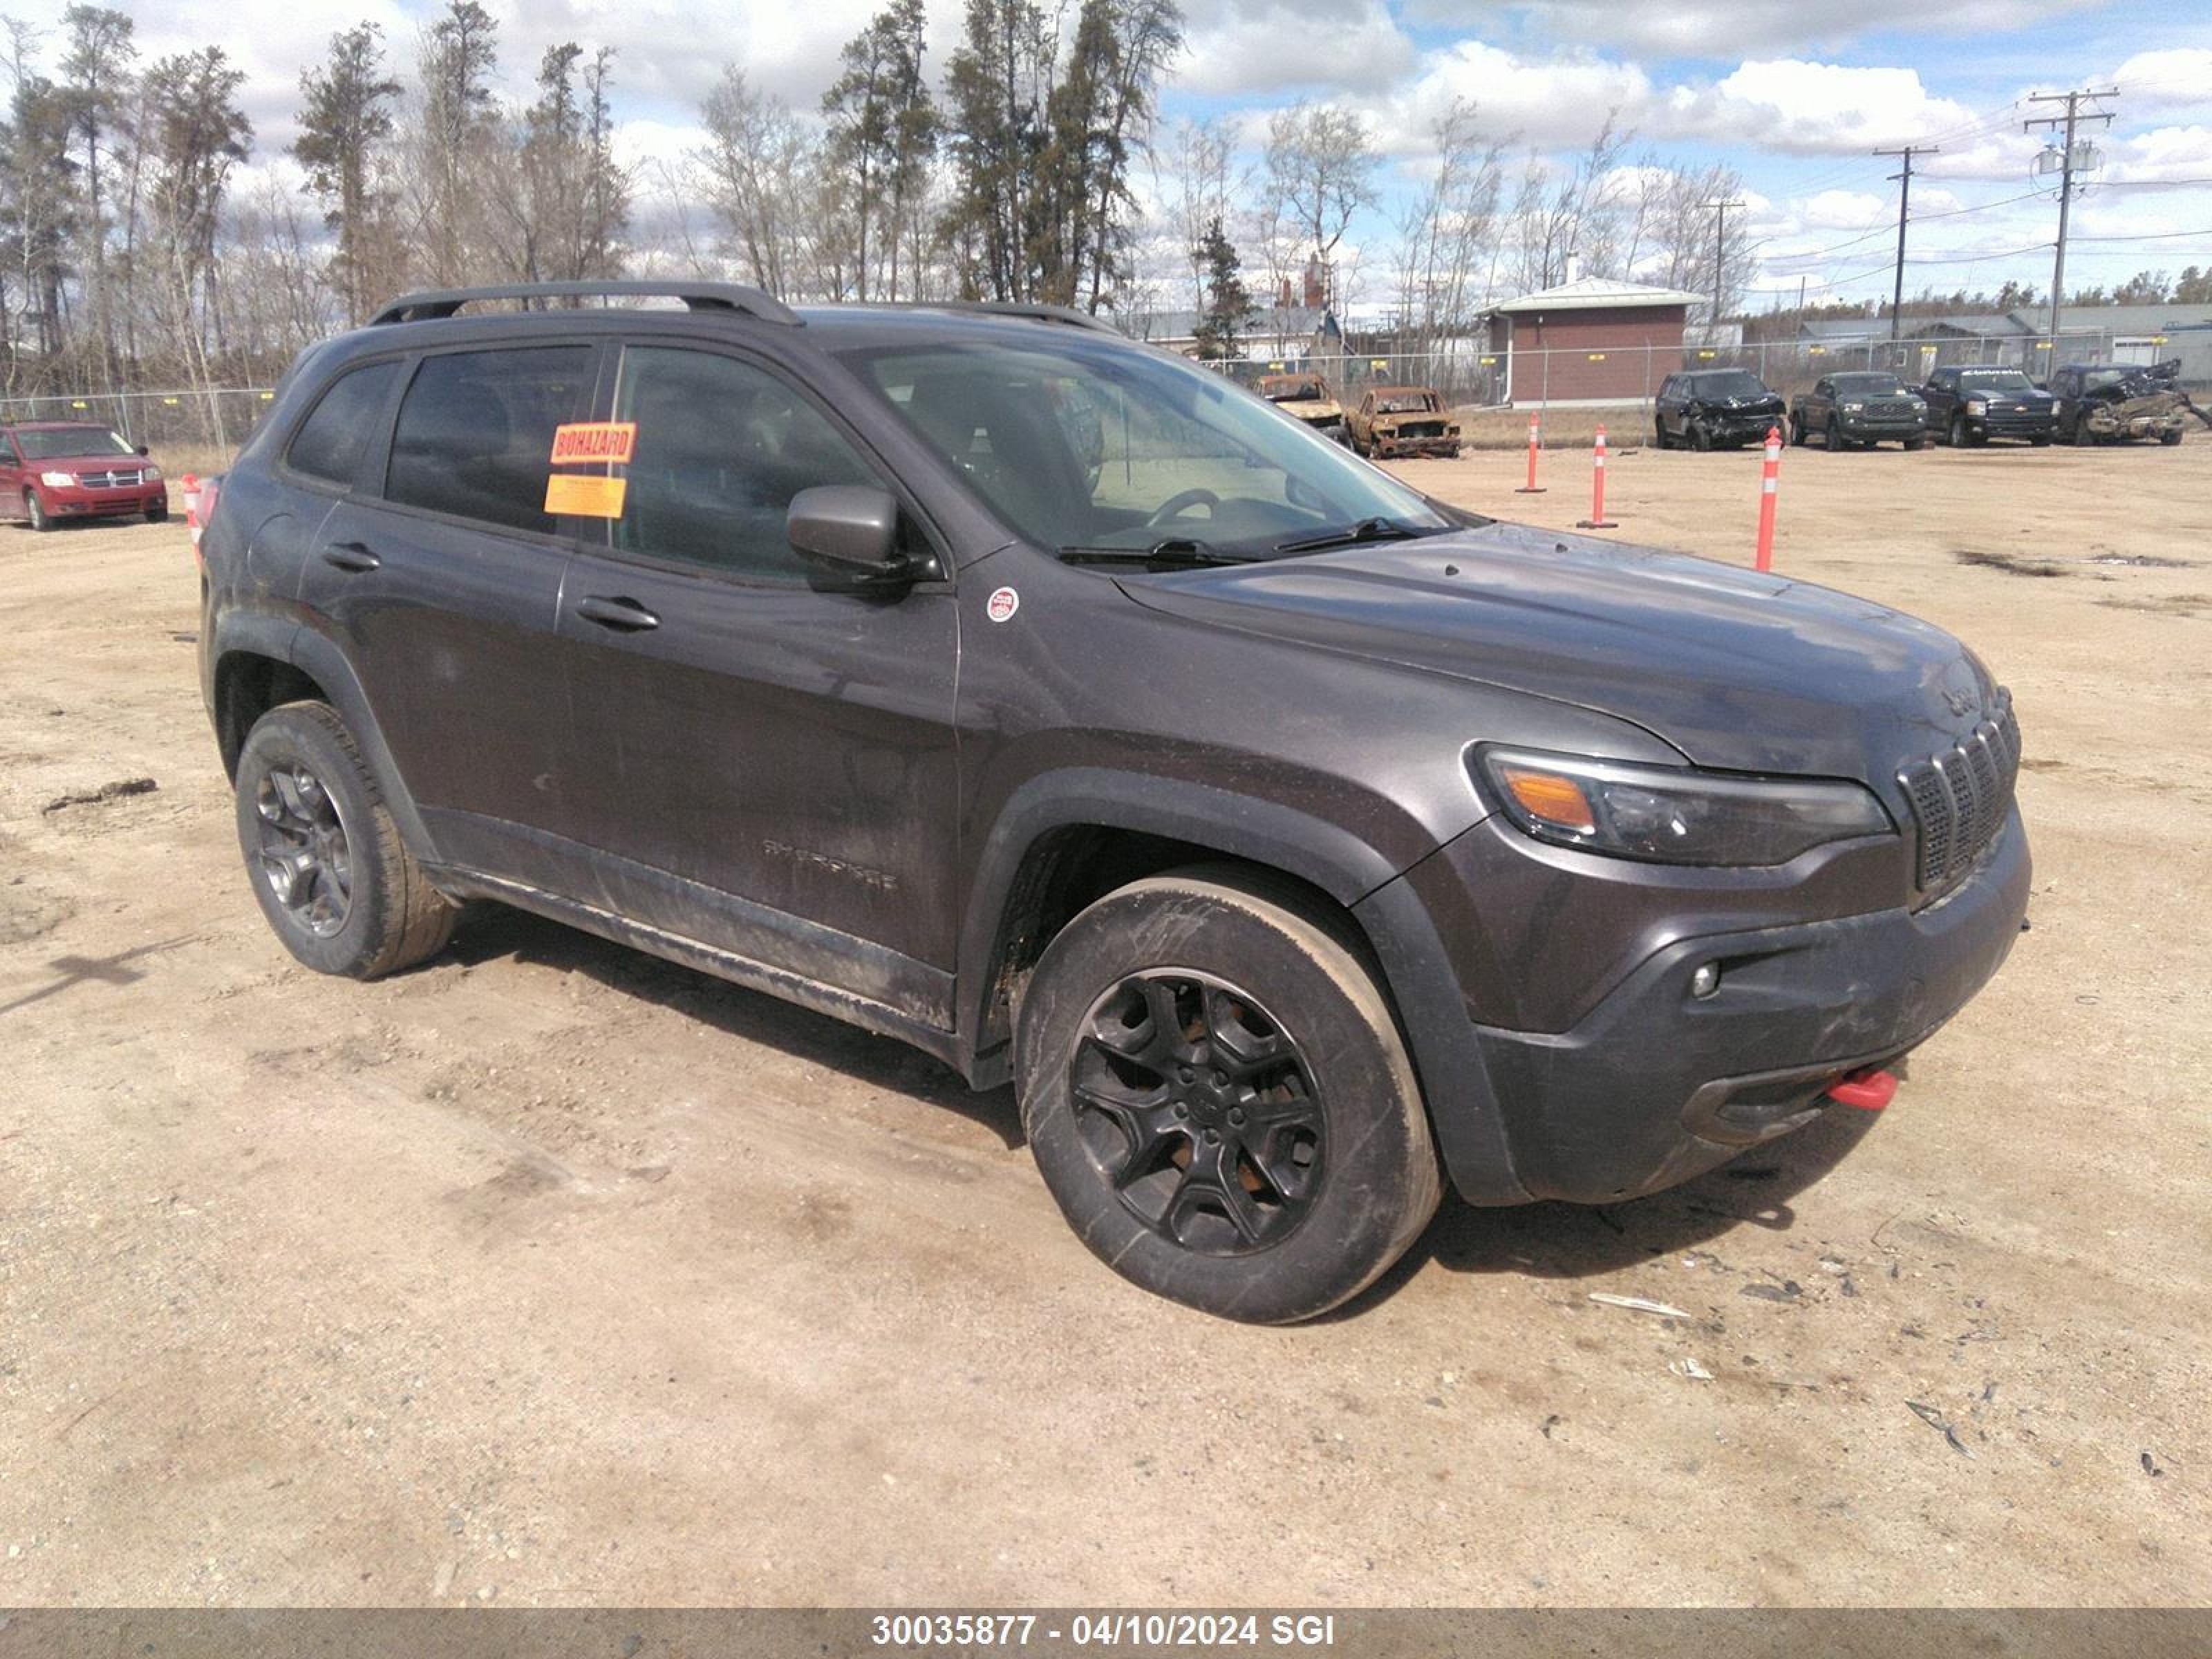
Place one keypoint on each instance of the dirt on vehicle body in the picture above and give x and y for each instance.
(1391, 422)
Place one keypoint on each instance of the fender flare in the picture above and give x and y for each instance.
(1415, 969)
(319, 657)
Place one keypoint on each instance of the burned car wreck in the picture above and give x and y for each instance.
(2109, 403)
(1393, 421)
(1306, 397)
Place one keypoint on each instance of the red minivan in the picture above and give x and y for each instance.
(55, 470)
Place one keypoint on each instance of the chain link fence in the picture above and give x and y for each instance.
(182, 428)
(1468, 377)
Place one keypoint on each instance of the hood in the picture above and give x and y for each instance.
(1740, 671)
(2035, 398)
(1311, 409)
(1756, 400)
(88, 463)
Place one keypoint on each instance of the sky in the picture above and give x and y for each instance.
(1792, 93)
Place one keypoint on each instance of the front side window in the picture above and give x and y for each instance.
(475, 433)
(1086, 445)
(722, 447)
(329, 445)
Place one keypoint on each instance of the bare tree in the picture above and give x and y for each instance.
(1448, 229)
(1191, 181)
(1319, 169)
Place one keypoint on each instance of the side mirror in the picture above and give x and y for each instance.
(849, 530)
(143, 450)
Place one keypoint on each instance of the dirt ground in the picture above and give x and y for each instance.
(550, 1273)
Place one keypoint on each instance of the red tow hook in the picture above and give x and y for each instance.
(1869, 1090)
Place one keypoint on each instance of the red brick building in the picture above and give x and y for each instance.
(1593, 341)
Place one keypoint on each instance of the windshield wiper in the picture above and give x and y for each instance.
(1176, 551)
(1367, 530)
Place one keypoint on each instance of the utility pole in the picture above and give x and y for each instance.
(1720, 254)
(1903, 182)
(2073, 101)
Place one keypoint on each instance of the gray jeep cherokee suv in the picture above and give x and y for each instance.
(1289, 840)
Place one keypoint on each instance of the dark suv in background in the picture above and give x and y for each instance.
(1290, 840)
(1714, 409)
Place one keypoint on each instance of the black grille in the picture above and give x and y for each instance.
(1961, 797)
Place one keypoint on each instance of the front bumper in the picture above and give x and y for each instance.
(1392, 445)
(1900, 426)
(1648, 1085)
(2013, 425)
(105, 503)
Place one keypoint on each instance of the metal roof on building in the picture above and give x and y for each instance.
(1598, 293)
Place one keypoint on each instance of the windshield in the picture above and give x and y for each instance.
(2093, 378)
(1085, 444)
(1728, 383)
(1866, 386)
(1994, 379)
(1405, 402)
(1286, 391)
(44, 445)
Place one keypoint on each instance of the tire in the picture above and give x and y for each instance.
(157, 515)
(1919, 440)
(1799, 438)
(359, 905)
(1659, 438)
(1701, 439)
(2039, 440)
(2083, 437)
(1957, 432)
(1835, 438)
(2170, 440)
(34, 512)
(1332, 1174)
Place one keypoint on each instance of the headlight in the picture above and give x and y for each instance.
(1977, 406)
(59, 480)
(1675, 815)
(149, 474)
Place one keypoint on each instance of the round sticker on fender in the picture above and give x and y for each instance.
(1002, 605)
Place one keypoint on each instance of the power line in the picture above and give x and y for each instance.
(1903, 180)
(2067, 160)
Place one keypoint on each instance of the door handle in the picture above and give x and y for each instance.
(623, 615)
(351, 555)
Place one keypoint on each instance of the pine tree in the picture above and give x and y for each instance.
(345, 117)
(1229, 308)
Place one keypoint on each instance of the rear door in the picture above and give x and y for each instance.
(11, 477)
(758, 763)
(440, 575)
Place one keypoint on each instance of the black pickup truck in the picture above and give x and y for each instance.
(1861, 408)
(1968, 405)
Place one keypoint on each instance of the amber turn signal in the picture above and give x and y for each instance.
(1548, 796)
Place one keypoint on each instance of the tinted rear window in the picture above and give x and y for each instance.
(329, 445)
(475, 433)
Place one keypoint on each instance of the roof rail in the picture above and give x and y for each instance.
(699, 296)
(1035, 312)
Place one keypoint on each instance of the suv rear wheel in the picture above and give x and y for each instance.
(1216, 1092)
(340, 889)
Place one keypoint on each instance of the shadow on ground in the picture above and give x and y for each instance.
(1548, 1240)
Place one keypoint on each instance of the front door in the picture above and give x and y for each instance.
(441, 577)
(758, 763)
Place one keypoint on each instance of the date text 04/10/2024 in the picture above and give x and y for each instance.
(1105, 1630)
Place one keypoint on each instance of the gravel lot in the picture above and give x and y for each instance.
(550, 1273)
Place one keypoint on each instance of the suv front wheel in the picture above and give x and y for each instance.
(1215, 1089)
(339, 886)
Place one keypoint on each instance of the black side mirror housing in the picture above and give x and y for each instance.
(143, 450)
(849, 531)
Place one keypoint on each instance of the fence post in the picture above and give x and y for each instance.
(1597, 521)
(1536, 431)
(1769, 478)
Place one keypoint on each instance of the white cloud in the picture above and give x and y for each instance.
(2172, 77)
(1729, 28)
(1813, 108)
(2164, 156)
(1554, 104)
(1276, 46)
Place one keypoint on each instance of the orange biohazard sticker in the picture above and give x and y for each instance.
(582, 496)
(584, 442)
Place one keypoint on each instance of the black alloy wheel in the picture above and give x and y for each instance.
(304, 856)
(1200, 1112)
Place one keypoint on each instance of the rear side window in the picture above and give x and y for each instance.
(721, 448)
(329, 445)
(475, 433)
